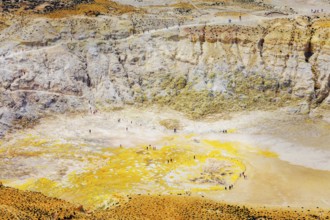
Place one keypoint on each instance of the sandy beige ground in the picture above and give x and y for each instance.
(298, 176)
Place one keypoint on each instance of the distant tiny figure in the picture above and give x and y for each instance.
(131, 122)
(119, 120)
(126, 128)
(90, 131)
(174, 130)
(240, 18)
(229, 20)
(194, 157)
(225, 187)
(120, 146)
(147, 148)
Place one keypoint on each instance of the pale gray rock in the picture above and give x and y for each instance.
(61, 65)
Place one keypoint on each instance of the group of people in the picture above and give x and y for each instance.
(230, 187)
(243, 174)
(315, 11)
(151, 147)
(119, 120)
(239, 17)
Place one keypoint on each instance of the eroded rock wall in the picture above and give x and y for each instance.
(79, 64)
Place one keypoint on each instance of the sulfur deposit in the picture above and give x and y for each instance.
(123, 106)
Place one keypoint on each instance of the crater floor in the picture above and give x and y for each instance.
(231, 63)
(99, 159)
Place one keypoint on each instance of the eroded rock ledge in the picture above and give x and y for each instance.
(81, 63)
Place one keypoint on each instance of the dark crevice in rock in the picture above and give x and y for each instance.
(202, 39)
(261, 46)
(308, 52)
(88, 81)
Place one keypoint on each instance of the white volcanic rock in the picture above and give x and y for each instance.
(64, 64)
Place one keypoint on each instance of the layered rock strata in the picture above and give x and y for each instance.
(82, 64)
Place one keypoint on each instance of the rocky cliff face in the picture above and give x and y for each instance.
(80, 64)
